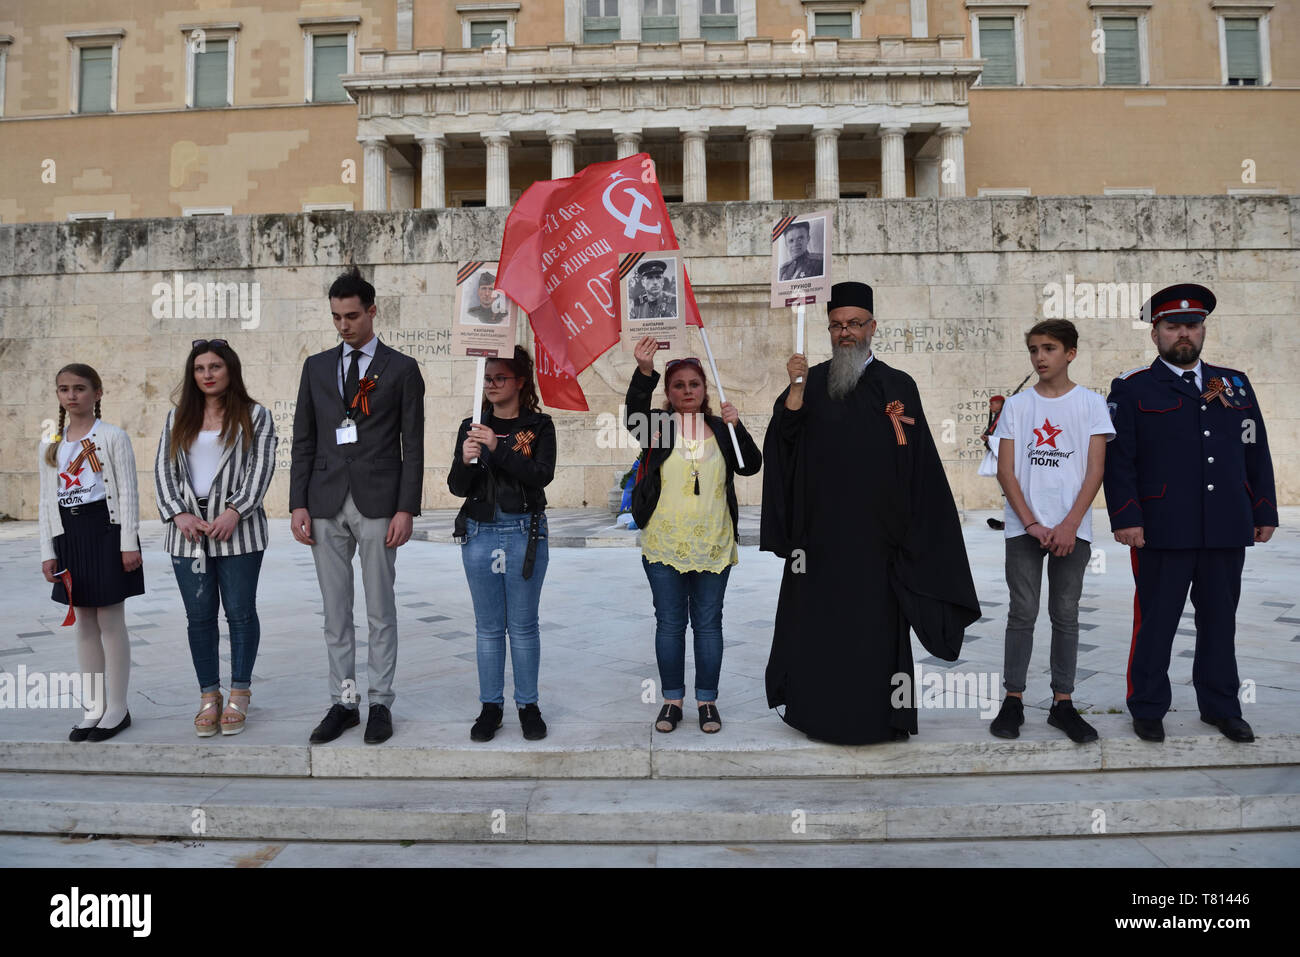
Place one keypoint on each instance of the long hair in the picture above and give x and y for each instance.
(237, 405)
(704, 403)
(81, 371)
(521, 364)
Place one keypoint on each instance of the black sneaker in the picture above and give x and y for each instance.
(530, 719)
(1062, 715)
(489, 719)
(1010, 717)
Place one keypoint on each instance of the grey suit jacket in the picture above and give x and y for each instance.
(384, 468)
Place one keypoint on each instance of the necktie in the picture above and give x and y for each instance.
(1190, 378)
(351, 381)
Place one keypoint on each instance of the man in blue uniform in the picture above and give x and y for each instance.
(1189, 484)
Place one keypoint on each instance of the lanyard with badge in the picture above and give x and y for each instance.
(346, 433)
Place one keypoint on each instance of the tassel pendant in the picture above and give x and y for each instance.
(697, 482)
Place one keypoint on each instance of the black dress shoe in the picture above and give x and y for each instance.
(103, 734)
(1149, 729)
(80, 734)
(337, 720)
(1235, 729)
(379, 726)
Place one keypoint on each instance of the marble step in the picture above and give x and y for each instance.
(656, 811)
(949, 744)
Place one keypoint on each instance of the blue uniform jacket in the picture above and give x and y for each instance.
(1194, 473)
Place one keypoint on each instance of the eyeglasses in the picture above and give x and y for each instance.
(207, 342)
(854, 324)
(498, 380)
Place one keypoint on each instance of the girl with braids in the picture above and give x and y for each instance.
(90, 546)
(502, 532)
(215, 462)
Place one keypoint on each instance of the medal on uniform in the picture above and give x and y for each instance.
(1216, 391)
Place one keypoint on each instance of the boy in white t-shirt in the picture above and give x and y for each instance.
(1051, 455)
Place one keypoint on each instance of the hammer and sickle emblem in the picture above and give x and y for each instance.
(632, 219)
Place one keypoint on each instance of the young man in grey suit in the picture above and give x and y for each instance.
(354, 484)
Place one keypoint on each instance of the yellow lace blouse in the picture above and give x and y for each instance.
(689, 532)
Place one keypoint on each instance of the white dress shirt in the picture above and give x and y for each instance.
(1179, 372)
(363, 363)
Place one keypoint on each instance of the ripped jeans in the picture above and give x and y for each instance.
(230, 581)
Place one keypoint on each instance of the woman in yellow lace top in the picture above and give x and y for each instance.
(685, 503)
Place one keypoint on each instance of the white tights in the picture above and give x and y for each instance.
(103, 648)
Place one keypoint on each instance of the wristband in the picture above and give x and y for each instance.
(1031, 525)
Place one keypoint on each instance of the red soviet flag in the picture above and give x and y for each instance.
(560, 247)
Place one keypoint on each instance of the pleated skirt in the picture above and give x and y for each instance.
(90, 548)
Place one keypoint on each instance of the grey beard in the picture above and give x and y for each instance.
(846, 369)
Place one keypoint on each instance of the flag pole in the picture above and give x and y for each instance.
(798, 333)
(478, 394)
(722, 396)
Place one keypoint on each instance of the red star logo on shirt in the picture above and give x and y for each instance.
(1047, 434)
(70, 481)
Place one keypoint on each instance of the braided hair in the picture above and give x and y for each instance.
(81, 371)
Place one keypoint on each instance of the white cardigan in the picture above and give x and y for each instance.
(121, 494)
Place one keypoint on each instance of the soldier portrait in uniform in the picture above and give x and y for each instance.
(650, 294)
(485, 307)
(803, 258)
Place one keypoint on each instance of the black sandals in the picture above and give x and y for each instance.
(670, 715)
(709, 715)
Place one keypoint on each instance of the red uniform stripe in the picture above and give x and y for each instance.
(1137, 623)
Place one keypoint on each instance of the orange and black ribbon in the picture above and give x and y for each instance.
(895, 412)
(66, 577)
(524, 443)
(1215, 391)
(362, 398)
(87, 453)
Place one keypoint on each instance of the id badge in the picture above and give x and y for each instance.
(346, 433)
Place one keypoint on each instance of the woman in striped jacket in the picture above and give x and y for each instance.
(215, 462)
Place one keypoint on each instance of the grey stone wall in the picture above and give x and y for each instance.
(957, 282)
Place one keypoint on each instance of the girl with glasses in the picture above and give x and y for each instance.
(685, 503)
(500, 467)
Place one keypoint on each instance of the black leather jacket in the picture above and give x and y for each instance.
(512, 476)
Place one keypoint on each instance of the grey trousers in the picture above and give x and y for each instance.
(1064, 586)
(337, 540)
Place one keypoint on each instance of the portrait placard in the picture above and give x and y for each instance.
(650, 298)
(801, 258)
(485, 318)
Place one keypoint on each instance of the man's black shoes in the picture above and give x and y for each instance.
(530, 720)
(1149, 729)
(1063, 716)
(379, 726)
(1235, 729)
(337, 720)
(1010, 717)
(489, 719)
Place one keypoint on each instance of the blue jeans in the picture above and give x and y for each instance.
(678, 595)
(504, 601)
(232, 581)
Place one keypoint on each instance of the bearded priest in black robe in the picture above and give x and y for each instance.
(856, 501)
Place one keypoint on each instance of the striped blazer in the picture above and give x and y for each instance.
(120, 491)
(241, 483)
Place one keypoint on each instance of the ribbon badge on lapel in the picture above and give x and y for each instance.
(895, 412)
(1216, 390)
(524, 443)
(362, 398)
(87, 454)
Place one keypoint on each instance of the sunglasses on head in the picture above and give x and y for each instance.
(207, 342)
(689, 360)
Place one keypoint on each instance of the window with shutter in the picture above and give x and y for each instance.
(1121, 56)
(329, 56)
(718, 20)
(1242, 38)
(833, 23)
(95, 83)
(659, 21)
(483, 33)
(210, 74)
(998, 51)
(600, 21)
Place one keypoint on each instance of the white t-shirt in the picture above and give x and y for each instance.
(85, 485)
(1051, 439)
(203, 457)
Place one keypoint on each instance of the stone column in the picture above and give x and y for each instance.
(827, 161)
(893, 171)
(498, 167)
(628, 142)
(760, 162)
(433, 170)
(695, 183)
(925, 177)
(374, 189)
(562, 142)
(953, 167)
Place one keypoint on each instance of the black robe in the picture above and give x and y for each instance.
(873, 546)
